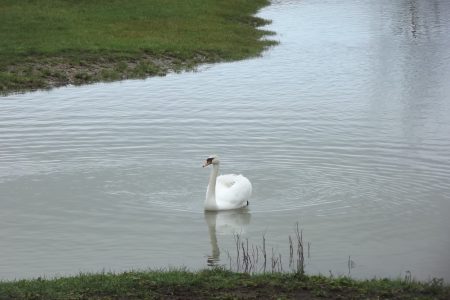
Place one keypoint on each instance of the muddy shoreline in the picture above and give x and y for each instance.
(51, 72)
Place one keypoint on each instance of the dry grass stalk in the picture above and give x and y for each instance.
(252, 258)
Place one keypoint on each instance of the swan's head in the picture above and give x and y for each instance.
(211, 160)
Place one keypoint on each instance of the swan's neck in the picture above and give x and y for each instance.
(210, 203)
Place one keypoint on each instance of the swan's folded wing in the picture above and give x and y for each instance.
(227, 180)
(233, 191)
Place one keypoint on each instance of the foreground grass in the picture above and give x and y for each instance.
(218, 284)
(46, 43)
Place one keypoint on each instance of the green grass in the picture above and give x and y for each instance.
(218, 284)
(44, 43)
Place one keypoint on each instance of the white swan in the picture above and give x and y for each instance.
(226, 191)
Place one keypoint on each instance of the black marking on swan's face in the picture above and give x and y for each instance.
(209, 160)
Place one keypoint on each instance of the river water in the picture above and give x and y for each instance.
(343, 128)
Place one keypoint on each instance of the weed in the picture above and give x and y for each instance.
(252, 258)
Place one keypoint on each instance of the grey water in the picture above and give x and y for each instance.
(344, 127)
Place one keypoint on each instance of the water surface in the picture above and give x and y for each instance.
(343, 127)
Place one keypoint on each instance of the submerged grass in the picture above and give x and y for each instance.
(45, 43)
(218, 284)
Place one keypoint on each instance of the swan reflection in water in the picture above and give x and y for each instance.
(222, 223)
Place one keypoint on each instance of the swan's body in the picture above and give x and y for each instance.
(226, 191)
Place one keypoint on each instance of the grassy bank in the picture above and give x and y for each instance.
(47, 43)
(218, 284)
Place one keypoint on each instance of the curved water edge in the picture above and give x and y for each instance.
(343, 128)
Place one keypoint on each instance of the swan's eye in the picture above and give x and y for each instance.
(209, 160)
